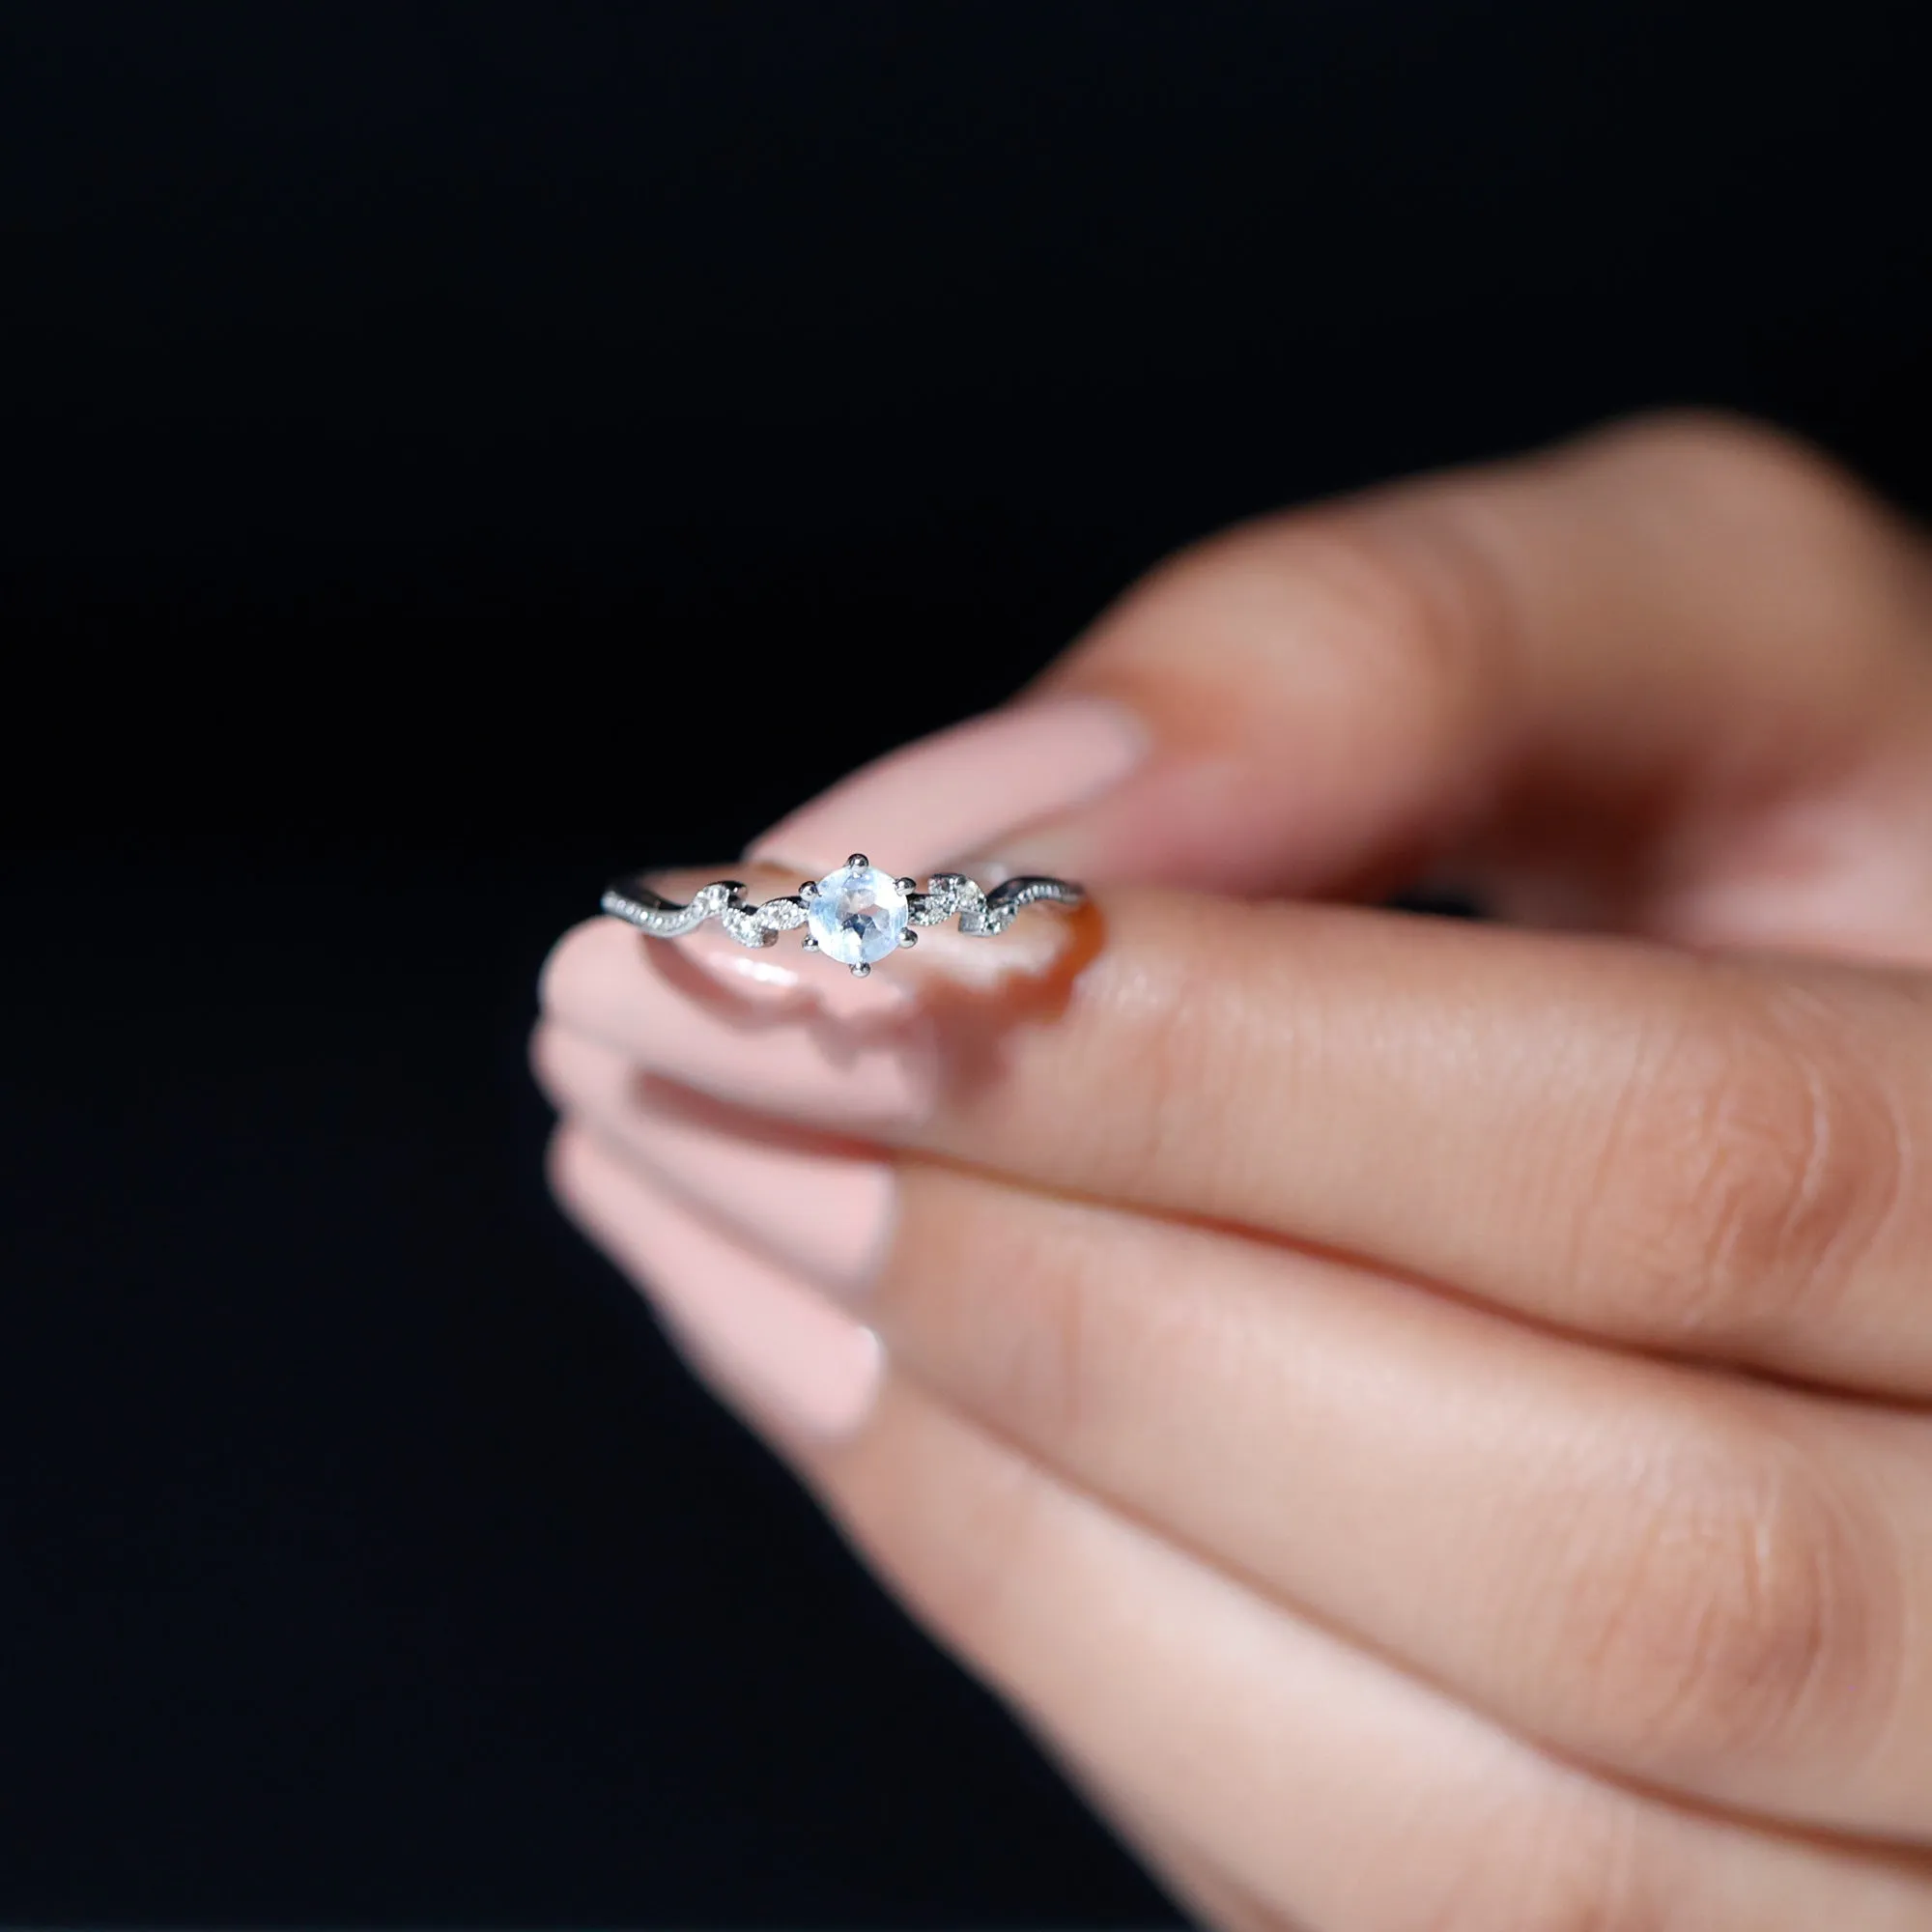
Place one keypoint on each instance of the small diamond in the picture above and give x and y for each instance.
(857, 915)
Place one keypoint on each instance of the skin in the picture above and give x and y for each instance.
(1427, 1422)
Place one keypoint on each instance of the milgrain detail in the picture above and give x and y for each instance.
(723, 900)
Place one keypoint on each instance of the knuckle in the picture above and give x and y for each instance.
(1041, 1387)
(970, 1567)
(1738, 1605)
(1415, 601)
(1751, 1168)
(1562, 1865)
(1829, 552)
(1164, 1139)
(1718, 447)
(996, 1310)
(1777, 481)
(1391, 591)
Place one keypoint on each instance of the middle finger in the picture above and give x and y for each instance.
(1705, 1584)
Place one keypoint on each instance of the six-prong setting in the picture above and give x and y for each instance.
(856, 915)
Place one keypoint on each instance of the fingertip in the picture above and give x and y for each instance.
(578, 959)
(564, 1154)
(757, 1333)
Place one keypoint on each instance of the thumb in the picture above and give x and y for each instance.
(1672, 678)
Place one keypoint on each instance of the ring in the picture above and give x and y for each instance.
(857, 915)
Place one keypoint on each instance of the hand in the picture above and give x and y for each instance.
(1426, 1419)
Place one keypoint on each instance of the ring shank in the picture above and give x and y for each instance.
(631, 900)
(981, 914)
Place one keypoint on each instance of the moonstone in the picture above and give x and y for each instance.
(857, 915)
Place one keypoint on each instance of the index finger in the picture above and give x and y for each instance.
(1718, 1157)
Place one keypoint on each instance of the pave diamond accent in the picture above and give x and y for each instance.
(946, 893)
(858, 914)
(761, 925)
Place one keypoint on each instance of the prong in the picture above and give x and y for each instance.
(908, 937)
(906, 885)
(810, 890)
(861, 970)
(856, 862)
(810, 944)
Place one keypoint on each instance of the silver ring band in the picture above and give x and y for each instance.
(857, 915)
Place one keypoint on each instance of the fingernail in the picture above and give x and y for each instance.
(820, 1206)
(966, 790)
(750, 1327)
(765, 1047)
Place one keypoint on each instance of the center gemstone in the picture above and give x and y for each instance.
(857, 915)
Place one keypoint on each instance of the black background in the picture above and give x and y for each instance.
(434, 433)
